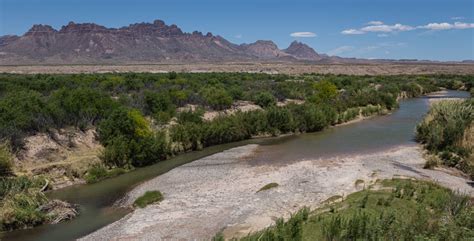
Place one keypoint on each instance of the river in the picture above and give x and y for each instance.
(375, 134)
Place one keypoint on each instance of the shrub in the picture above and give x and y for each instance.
(217, 98)
(265, 99)
(190, 116)
(443, 129)
(148, 198)
(280, 119)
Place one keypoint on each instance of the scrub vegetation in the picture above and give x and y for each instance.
(405, 209)
(139, 122)
(447, 132)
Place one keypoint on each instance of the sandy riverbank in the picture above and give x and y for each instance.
(220, 192)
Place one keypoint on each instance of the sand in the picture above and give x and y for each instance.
(219, 192)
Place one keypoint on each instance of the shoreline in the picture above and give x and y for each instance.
(219, 192)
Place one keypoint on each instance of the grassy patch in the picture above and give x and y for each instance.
(268, 186)
(405, 209)
(148, 198)
(20, 199)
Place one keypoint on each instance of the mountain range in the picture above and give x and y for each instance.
(89, 43)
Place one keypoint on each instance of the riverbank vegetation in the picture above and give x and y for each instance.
(140, 121)
(405, 209)
(139, 117)
(447, 132)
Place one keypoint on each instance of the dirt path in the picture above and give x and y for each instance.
(220, 192)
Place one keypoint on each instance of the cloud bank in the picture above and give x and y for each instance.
(384, 29)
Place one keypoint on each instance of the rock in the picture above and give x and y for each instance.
(302, 51)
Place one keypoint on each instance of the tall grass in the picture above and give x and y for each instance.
(20, 199)
(445, 131)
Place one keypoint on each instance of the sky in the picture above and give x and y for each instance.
(388, 29)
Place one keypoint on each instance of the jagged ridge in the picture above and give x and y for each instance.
(141, 42)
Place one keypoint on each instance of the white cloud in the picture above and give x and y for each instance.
(383, 30)
(352, 32)
(447, 26)
(387, 28)
(375, 23)
(303, 35)
(239, 36)
(340, 50)
(458, 18)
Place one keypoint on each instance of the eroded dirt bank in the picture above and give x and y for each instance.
(220, 192)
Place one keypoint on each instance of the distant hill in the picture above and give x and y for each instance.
(137, 43)
(147, 43)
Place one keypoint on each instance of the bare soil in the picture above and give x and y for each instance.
(255, 67)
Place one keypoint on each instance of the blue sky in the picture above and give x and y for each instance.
(396, 29)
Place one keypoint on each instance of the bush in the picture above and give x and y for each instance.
(443, 129)
(190, 116)
(129, 141)
(280, 119)
(148, 198)
(217, 98)
(265, 99)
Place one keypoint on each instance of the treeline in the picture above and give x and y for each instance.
(447, 132)
(130, 110)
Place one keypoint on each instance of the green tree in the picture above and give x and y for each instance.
(324, 91)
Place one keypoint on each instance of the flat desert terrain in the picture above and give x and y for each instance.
(273, 68)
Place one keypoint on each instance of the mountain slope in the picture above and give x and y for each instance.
(302, 51)
(137, 43)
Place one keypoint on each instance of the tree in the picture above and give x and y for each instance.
(159, 105)
(325, 91)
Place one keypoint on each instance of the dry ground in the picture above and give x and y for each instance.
(277, 67)
(221, 192)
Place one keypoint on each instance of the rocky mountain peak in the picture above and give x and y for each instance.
(302, 51)
(78, 43)
(81, 28)
(40, 29)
